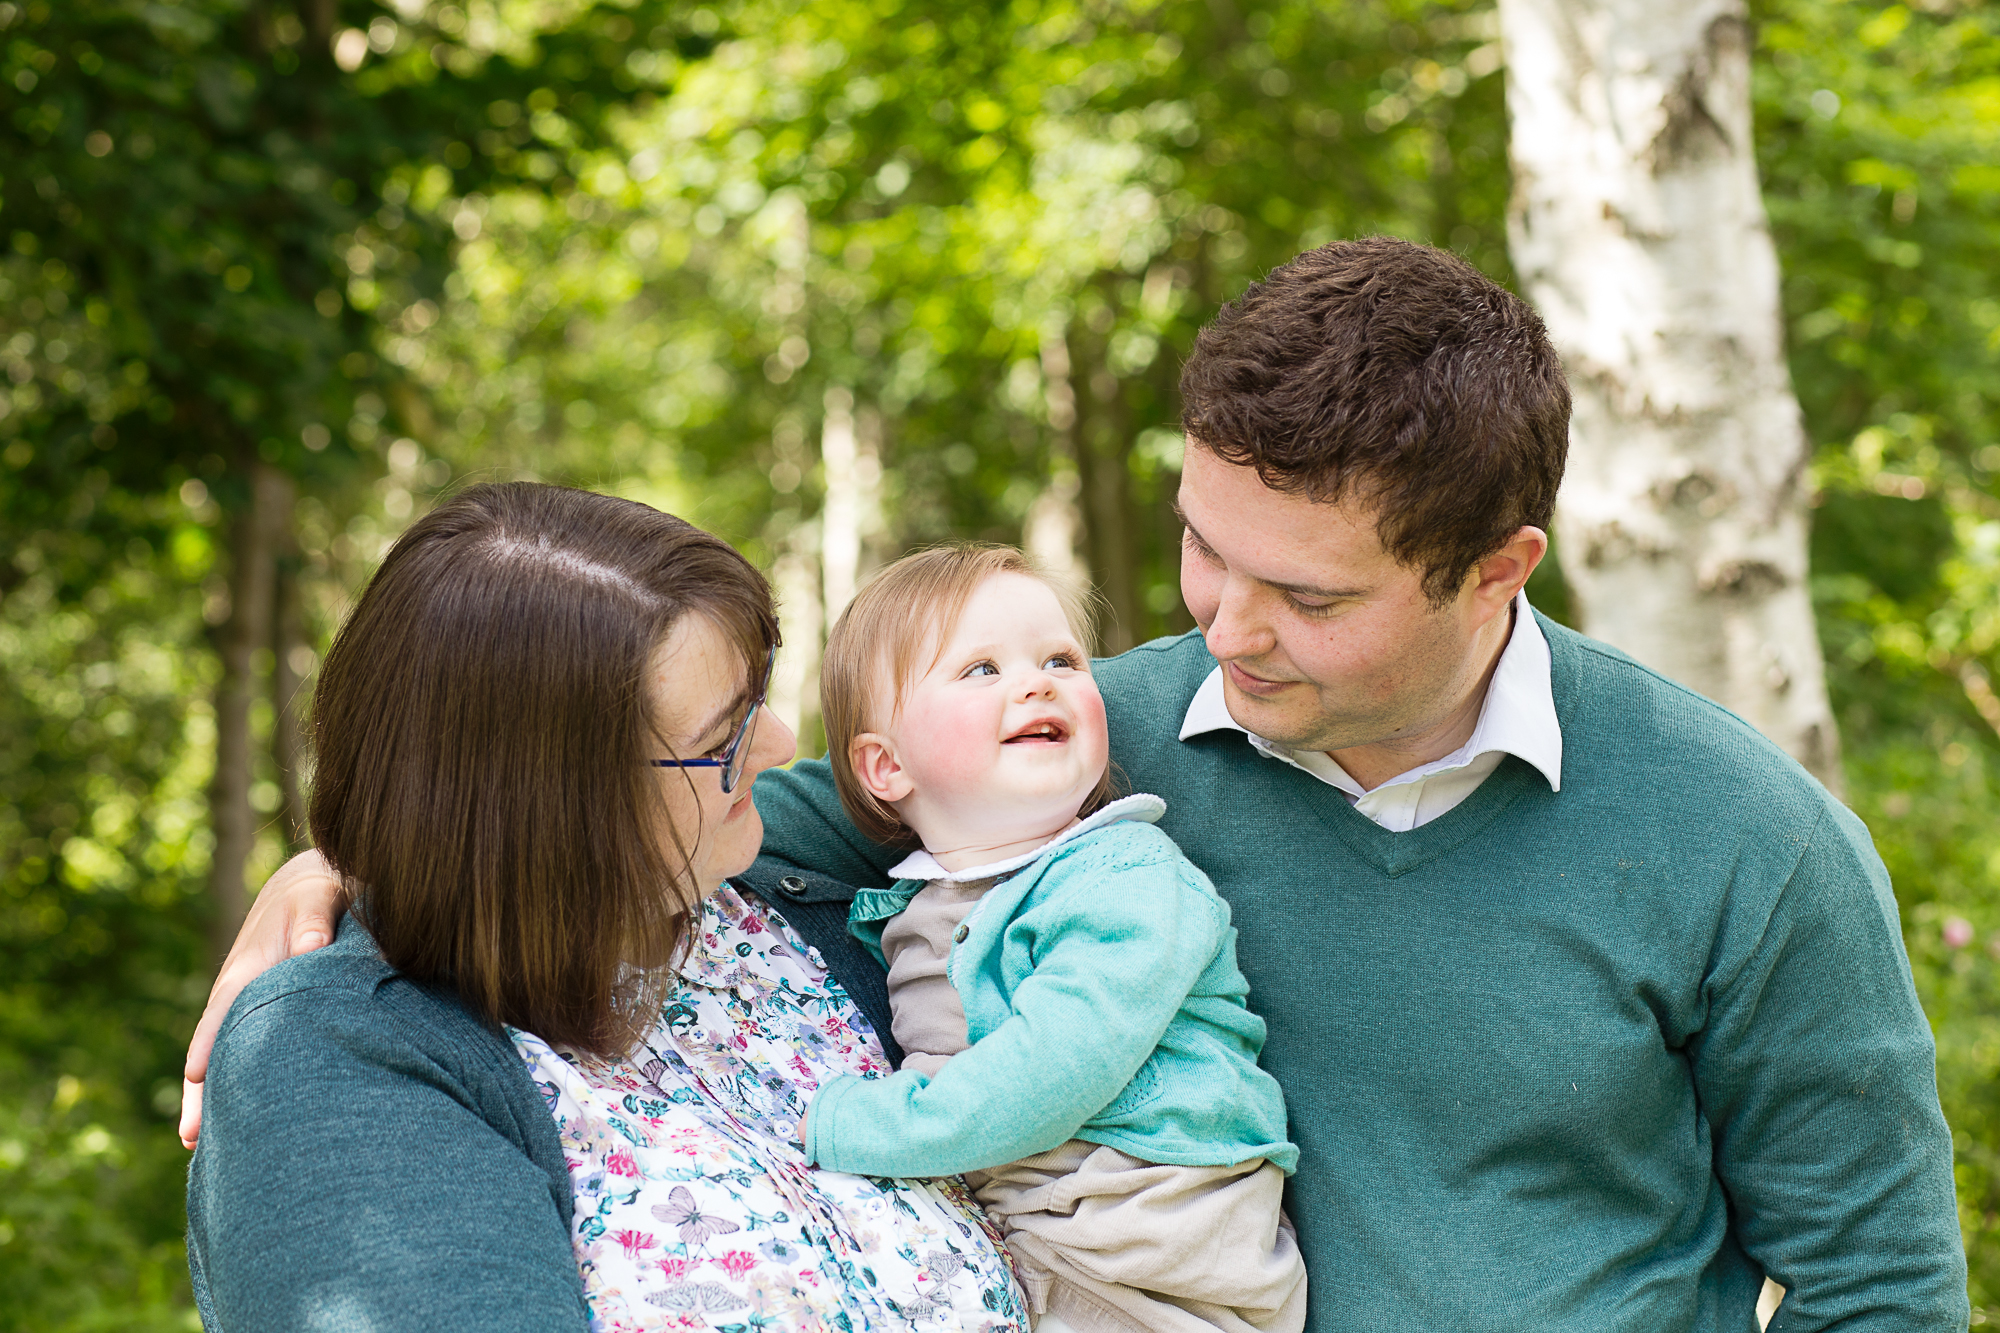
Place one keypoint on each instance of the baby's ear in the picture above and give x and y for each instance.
(875, 766)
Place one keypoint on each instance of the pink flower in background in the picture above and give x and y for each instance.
(736, 1263)
(1957, 932)
(673, 1270)
(620, 1163)
(634, 1241)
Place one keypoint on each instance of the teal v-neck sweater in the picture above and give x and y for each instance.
(1592, 1060)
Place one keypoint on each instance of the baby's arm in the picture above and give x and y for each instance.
(1115, 956)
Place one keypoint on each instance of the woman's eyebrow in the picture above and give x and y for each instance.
(721, 715)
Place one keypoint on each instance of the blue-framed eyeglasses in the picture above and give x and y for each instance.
(735, 751)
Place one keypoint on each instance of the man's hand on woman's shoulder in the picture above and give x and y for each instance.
(296, 912)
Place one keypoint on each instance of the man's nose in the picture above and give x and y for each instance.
(1240, 629)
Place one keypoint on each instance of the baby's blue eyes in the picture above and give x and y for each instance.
(1059, 662)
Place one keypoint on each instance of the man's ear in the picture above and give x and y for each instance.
(875, 765)
(1499, 576)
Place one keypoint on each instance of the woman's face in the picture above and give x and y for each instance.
(700, 688)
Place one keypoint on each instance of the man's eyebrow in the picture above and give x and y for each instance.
(1303, 590)
(1298, 589)
(1193, 532)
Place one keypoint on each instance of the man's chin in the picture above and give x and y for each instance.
(1289, 721)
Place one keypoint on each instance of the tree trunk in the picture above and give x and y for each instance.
(288, 651)
(257, 534)
(851, 512)
(1639, 232)
(1105, 481)
(1053, 530)
(802, 622)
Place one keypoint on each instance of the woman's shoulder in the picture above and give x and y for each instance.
(343, 1005)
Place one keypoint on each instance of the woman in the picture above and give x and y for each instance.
(549, 1073)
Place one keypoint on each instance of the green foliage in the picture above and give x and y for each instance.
(105, 844)
(666, 249)
(989, 228)
(1878, 129)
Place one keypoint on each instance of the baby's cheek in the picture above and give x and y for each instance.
(1090, 724)
(952, 745)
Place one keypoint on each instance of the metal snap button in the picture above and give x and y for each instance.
(958, 936)
(793, 885)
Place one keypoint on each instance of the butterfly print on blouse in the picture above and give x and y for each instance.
(697, 1228)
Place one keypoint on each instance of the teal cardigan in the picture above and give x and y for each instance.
(1104, 1003)
(372, 1157)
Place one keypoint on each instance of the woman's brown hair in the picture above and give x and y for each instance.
(482, 734)
(876, 652)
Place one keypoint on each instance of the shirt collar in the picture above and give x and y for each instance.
(1140, 806)
(1518, 716)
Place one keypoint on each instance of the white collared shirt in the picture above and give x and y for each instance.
(1518, 717)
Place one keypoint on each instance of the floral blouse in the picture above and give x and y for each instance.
(695, 1208)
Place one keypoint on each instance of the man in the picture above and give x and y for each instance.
(1590, 1006)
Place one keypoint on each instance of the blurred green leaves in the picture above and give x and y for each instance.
(1879, 127)
(672, 250)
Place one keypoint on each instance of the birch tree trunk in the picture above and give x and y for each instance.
(1639, 232)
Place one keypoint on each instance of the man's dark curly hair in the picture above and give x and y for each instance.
(1397, 373)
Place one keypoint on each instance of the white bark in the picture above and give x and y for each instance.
(795, 578)
(1052, 532)
(1639, 232)
(852, 512)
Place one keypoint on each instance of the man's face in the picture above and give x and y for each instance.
(1326, 642)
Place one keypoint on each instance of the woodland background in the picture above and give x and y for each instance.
(832, 279)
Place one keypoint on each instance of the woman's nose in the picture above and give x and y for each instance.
(774, 744)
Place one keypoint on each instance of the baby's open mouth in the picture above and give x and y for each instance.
(1040, 733)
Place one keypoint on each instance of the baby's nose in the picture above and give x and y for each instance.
(1037, 683)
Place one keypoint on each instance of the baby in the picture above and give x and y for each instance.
(1062, 980)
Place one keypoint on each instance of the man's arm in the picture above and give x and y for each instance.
(354, 1174)
(299, 908)
(1817, 1073)
(805, 827)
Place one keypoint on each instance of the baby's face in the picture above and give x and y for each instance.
(1004, 738)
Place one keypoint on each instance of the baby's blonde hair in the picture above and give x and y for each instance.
(910, 609)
